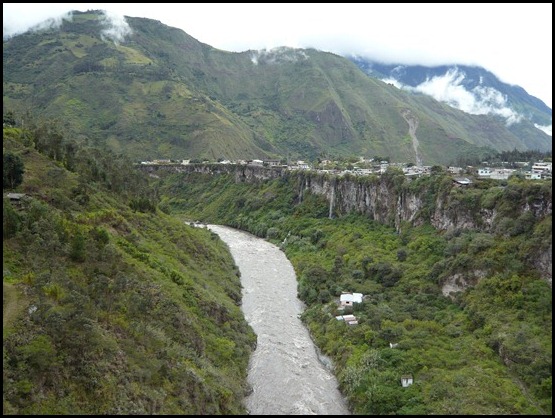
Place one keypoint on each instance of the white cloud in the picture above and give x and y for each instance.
(513, 41)
(116, 27)
(478, 101)
(39, 23)
(277, 55)
(546, 129)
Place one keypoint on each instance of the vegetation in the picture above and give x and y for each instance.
(13, 169)
(112, 305)
(483, 350)
(149, 99)
(109, 305)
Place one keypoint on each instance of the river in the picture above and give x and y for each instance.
(285, 372)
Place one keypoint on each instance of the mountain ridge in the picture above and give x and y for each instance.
(161, 93)
(475, 80)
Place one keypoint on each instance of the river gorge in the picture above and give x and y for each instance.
(287, 374)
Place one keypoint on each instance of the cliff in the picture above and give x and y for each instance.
(394, 200)
(391, 198)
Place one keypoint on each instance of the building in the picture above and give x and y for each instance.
(272, 163)
(406, 380)
(462, 181)
(15, 197)
(349, 319)
(530, 175)
(501, 173)
(348, 299)
(455, 170)
(541, 167)
(484, 172)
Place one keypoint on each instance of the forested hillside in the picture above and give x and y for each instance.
(466, 312)
(113, 305)
(109, 305)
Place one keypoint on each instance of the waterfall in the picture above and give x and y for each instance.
(332, 199)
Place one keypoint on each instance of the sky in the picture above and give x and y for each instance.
(513, 41)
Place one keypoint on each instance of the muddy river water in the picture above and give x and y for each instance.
(287, 375)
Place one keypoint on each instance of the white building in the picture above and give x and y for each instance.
(529, 175)
(406, 380)
(349, 319)
(484, 172)
(348, 299)
(541, 167)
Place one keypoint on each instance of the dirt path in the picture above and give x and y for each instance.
(413, 126)
(13, 304)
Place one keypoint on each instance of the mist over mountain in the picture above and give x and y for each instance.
(152, 91)
(471, 89)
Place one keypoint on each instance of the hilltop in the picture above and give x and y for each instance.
(159, 93)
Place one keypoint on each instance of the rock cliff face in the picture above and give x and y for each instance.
(385, 199)
(392, 204)
(381, 198)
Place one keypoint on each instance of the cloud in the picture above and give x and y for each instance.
(448, 88)
(277, 55)
(54, 22)
(116, 27)
(509, 46)
(546, 129)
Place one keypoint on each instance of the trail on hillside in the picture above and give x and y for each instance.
(412, 120)
(12, 304)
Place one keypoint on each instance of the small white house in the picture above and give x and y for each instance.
(406, 380)
(530, 175)
(501, 173)
(462, 181)
(348, 299)
(455, 170)
(272, 163)
(15, 197)
(484, 172)
(542, 167)
(349, 319)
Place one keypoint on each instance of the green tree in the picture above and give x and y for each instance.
(10, 220)
(9, 119)
(78, 252)
(13, 171)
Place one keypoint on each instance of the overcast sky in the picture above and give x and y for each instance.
(514, 41)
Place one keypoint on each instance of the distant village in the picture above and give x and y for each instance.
(539, 170)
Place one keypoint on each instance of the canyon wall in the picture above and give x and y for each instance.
(392, 199)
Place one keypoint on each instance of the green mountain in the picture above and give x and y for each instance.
(110, 306)
(159, 93)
